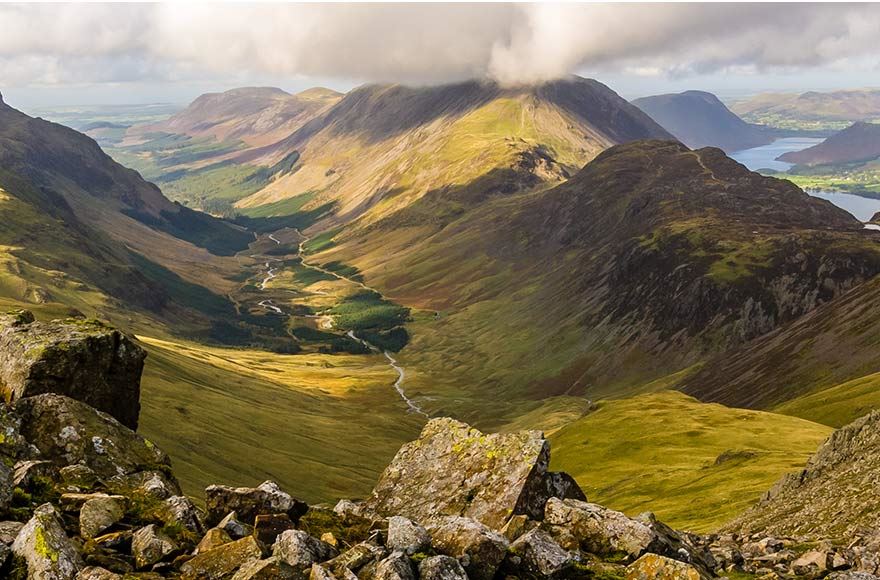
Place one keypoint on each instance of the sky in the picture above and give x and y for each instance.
(74, 54)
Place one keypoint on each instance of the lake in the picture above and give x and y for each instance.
(764, 157)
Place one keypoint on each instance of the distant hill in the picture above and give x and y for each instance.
(858, 143)
(811, 110)
(699, 119)
(255, 115)
(382, 147)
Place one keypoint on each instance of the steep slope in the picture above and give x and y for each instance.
(644, 263)
(856, 144)
(255, 115)
(700, 119)
(833, 497)
(381, 148)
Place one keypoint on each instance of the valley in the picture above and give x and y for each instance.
(538, 258)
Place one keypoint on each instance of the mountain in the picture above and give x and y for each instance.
(255, 115)
(855, 144)
(79, 229)
(699, 119)
(384, 147)
(644, 263)
(811, 110)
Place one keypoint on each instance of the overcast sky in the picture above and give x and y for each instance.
(137, 53)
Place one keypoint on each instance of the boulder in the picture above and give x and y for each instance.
(536, 555)
(9, 531)
(234, 527)
(656, 567)
(479, 549)
(32, 473)
(354, 559)
(301, 550)
(269, 569)
(598, 530)
(397, 566)
(68, 432)
(45, 549)
(99, 513)
(82, 359)
(223, 561)
(97, 573)
(249, 502)
(851, 575)
(181, 511)
(150, 545)
(318, 572)
(455, 470)
(13, 445)
(213, 538)
(441, 568)
(346, 528)
(407, 536)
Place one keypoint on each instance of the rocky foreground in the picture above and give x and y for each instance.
(84, 497)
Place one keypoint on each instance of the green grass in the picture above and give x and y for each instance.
(838, 405)
(322, 241)
(285, 207)
(368, 310)
(658, 452)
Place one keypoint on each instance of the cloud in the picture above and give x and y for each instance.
(94, 43)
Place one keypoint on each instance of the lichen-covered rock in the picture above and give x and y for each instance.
(9, 531)
(656, 567)
(84, 360)
(97, 573)
(441, 568)
(598, 530)
(267, 527)
(397, 566)
(33, 472)
(213, 538)
(455, 470)
(269, 569)
(181, 511)
(407, 536)
(12, 444)
(6, 486)
(301, 550)
(851, 575)
(249, 502)
(347, 528)
(234, 527)
(222, 562)
(150, 545)
(536, 555)
(479, 549)
(69, 432)
(355, 558)
(45, 549)
(99, 513)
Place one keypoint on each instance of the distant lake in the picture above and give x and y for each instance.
(764, 157)
(863, 208)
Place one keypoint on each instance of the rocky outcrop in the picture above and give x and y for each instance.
(455, 470)
(82, 359)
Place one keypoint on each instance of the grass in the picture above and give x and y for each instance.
(322, 426)
(839, 405)
(660, 452)
(368, 310)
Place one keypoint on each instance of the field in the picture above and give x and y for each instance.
(860, 179)
(695, 465)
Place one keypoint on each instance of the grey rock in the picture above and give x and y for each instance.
(453, 469)
(301, 550)
(441, 568)
(269, 569)
(318, 572)
(223, 561)
(397, 566)
(84, 360)
(249, 502)
(213, 538)
(180, 510)
(150, 545)
(5, 486)
(656, 567)
(355, 558)
(538, 555)
(29, 472)
(69, 432)
(97, 573)
(45, 549)
(479, 549)
(9, 531)
(407, 536)
(850, 575)
(234, 527)
(99, 513)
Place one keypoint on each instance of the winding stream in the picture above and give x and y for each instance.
(268, 305)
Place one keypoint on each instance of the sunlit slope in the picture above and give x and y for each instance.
(645, 263)
(323, 426)
(383, 147)
(695, 465)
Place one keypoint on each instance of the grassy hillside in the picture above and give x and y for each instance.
(695, 465)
